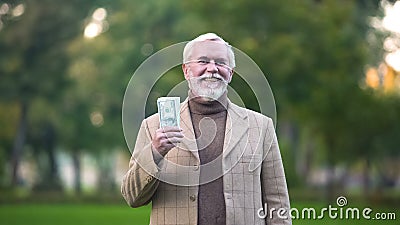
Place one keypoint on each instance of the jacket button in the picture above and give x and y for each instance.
(196, 167)
(192, 198)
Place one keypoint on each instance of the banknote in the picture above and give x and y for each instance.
(169, 111)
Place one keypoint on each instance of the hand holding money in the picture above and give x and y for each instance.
(166, 138)
(169, 133)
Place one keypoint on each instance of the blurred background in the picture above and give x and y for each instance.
(333, 65)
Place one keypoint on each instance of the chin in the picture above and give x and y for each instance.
(210, 94)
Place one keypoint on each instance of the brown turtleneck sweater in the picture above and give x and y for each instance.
(209, 120)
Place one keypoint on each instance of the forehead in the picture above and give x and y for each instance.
(209, 49)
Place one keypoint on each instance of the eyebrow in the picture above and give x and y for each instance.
(217, 59)
(203, 57)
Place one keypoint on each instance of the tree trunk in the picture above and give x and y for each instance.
(53, 174)
(366, 180)
(18, 146)
(49, 145)
(76, 161)
(330, 189)
(106, 167)
(308, 159)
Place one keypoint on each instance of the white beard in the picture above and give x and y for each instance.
(208, 86)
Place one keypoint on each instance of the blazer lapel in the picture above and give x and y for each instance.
(189, 141)
(236, 126)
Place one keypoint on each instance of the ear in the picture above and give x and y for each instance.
(185, 70)
(230, 76)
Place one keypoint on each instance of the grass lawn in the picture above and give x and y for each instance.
(121, 214)
(73, 214)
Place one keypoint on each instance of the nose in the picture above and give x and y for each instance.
(212, 67)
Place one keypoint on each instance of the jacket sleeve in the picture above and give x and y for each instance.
(274, 188)
(140, 182)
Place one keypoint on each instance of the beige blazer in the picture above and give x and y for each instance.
(254, 181)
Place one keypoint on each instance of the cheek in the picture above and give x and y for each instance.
(196, 72)
(226, 74)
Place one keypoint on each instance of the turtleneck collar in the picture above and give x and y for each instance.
(198, 106)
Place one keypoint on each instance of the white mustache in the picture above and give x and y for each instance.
(214, 75)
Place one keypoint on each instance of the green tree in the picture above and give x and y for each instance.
(34, 39)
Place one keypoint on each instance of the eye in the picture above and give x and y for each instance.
(220, 63)
(202, 61)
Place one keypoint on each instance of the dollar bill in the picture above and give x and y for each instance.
(169, 111)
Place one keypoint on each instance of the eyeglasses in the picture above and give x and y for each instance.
(205, 61)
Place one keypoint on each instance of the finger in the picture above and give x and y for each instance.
(160, 134)
(174, 140)
(171, 129)
(173, 134)
(170, 140)
(166, 146)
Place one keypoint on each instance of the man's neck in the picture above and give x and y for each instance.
(198, 105)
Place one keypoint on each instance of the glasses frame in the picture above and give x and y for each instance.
(205, 61)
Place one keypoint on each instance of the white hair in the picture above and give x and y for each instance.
(187, 51)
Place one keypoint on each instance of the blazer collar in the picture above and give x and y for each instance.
(189, 140)
(236, 126)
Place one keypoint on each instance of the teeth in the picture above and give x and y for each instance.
(211, 79)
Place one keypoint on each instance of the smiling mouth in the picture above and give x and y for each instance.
(212, 79)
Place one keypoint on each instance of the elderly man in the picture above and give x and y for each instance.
(222, 166)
